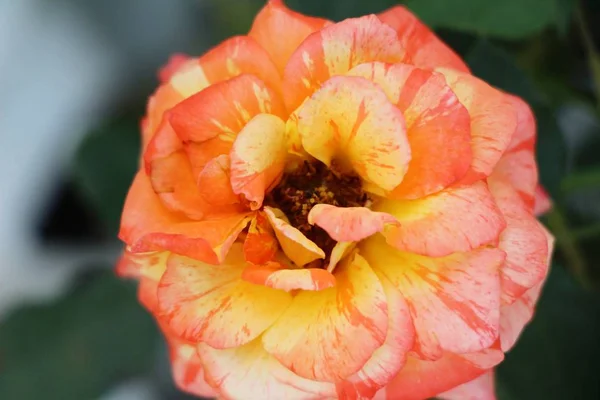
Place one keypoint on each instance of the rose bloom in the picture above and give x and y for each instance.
(335, 210)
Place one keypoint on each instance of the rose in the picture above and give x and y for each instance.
(335, 211)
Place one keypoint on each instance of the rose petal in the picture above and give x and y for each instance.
(278, 276)
(276, 18)
(250, 370)
(456, 219)
(214, 182)
(258, 158)
(260, 244)
(387, 360)
(542, 201)
(357, 125)
(480, 388)
(493, 121)
(454, 300)
(176, 61)
(433, 114)
(331, 334)
(423, 47)
(339, 251)
(208, 303)
(349, 224)
(294, 244)
(147, 226)
(334, 50)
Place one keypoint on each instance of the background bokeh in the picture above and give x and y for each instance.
(74, 79)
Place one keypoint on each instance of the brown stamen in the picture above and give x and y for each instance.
(314, 183)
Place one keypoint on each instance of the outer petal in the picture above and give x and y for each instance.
(330, 335)
(456, 219)
(357, 124)
(207, 303)
(280, 30)
(250, 370)
(525, 132)
(176, 61)
(481, 388)
(493, 121)
(520, 169)
(165, 97)
(454, 300)
(147, 226)
(433, 114)
(421, 379)
(423, 47)
(219, 113)
(258, 158)
(137, 265)
(387, 360)
(214, 182)
(294, 244)
(542, 202)
(349, 224)
(187, 368)
(334, 50)
(278, 276)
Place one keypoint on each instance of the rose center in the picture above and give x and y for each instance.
(314, 183)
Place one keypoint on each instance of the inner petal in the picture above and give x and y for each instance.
(314, 183)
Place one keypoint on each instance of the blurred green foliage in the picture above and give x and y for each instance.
(537, 49)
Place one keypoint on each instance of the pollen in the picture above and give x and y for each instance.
(314, 183)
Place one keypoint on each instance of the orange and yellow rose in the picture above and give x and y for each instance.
(335, 210)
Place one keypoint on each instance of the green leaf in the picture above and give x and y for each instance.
(558, 355)
(507, 19)
(77, 347)
(105, 165)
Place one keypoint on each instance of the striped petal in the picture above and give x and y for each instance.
(420, 379)
(349, 224)
(214, 182)
(280, 30)
(249, 370)
(212, 304)
(219, 113)
(454, 300)
(433, 114)
(388, 360)
(359, 127)
(260, 244)
(334, 50)
(294, 244)
(278, 276)
(330, 335)
(480, 388)
(423, 48)
(493, 121)
(258, 158)
(455, 220)
(148, 226)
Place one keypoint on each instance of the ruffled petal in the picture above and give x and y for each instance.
(294, 244)
(250, 370)
(161, 101)
(387, 360)
(525, 132)
(359, 127)
(188, 372)
(208, 303)
(423, 48)
(278, 276)
(542, 202)
(454, 220)
(214, 182)
(420, 379)
(137, 265)
(454, 300)
(280, 30)
(148, 226)
(330, 335)
(334, 50)
(349, 224)
(493, 121)
(219, 113)
(480, 388)
(433, 114)
(260, 244)
(520, 170)
(258, 158)
(176, 61)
